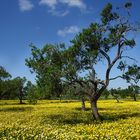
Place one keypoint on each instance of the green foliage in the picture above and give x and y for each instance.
(116, 93)
(32, 93)
(132, 74)
(47, 65)
(128, 5)
(93, 45)
(5, 90)
(11, 88)
(32, 97)
(4, 83)
(120, 93)
(18, 87)
(107, 15)
(4, 74)
(122, 65)
(130, 43)
(106, 94)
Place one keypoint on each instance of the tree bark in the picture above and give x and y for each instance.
(117, 100)
(94, 109)
(60, 98)
(134, 97)
(83, 104)
(20, 101)
(20, 95)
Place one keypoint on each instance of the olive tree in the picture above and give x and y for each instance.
(112, 35)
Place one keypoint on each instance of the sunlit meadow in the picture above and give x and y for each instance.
(55, 120)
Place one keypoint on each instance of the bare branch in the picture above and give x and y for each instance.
(129, 58)
(100, 92)
(106, 56)
(92, 72)
(118, 56)
(116, 77)
(102, 83)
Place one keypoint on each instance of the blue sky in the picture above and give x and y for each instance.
(48, 21)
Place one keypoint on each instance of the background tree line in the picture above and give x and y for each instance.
(20, 88)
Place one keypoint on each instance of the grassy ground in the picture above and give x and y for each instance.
(52, 120)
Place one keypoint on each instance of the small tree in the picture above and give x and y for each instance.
(132, 76)
(32, 93)
(79, 92)
(115, 93)
(18, 87)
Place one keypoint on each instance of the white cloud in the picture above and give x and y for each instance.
(68, 30)
(58, 13)
(25, 5)
(70, 3)
(74, 3)
(50, 3)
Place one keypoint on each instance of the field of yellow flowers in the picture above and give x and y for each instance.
(55, 120)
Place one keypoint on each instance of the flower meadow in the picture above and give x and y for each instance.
(55, 120)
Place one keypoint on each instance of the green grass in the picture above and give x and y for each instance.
(53, 120)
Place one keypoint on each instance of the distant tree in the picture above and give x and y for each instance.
(115, 93)
(79, 92)
(46, 64)
(106, 94)
(11, 88)
(123, 93)
(18, 88)
(132, 76)
(32, 93)
(4, 83)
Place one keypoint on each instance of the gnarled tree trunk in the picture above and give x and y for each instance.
(20, 95)
(134, 96)
(83, 104)
(20, 101)
(94, 109)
